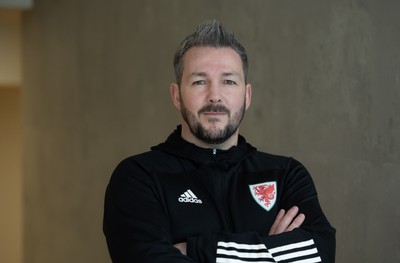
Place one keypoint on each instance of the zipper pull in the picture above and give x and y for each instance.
(214, 152)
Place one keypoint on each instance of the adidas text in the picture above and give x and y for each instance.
(189, 200)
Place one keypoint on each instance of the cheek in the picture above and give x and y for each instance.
(238, 102)
(191, 103)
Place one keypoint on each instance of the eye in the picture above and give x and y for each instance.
(229, 82)
(199, 82)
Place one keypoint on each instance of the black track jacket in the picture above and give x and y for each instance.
(221, 202)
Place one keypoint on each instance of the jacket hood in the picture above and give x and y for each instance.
(177, 146)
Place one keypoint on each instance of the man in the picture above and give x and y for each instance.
(205, 194)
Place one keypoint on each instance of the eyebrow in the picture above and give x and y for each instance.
(233, 73)
(198, 74)
(204, 74)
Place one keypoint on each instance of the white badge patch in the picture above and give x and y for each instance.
(264, 194)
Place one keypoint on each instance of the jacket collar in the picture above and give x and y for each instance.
(177, 146)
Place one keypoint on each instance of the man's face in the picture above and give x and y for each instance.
(213, 96)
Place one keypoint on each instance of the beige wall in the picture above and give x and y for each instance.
(10, 137)
(10, 176)
(326, 78)
(10, 47)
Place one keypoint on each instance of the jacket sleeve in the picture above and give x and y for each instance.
(314, 241)
(295, 246)
(135, 224)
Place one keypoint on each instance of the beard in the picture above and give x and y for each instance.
(213, 135)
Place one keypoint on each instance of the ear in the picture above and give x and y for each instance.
(175, 95)
(248, 95)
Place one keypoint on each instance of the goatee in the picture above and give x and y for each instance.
(213, 136)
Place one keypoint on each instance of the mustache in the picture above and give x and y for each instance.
(214, 108)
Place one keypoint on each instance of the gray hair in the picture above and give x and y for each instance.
(209, 34)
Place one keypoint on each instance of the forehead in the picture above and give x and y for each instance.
(210, 59)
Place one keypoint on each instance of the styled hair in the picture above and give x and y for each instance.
(208, 34)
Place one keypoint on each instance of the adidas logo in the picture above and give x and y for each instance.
(189, 197)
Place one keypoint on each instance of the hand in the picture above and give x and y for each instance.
(287, 221)
(181, 247)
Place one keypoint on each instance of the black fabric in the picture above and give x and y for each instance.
(145, 213)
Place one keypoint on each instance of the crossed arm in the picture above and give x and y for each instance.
(285, 221)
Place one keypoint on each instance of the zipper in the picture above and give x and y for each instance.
(221, 195)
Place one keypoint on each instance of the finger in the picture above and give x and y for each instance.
(181, 247)
(276, 222)
(297, 222)
(286, 220)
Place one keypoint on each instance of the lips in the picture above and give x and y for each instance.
(214, 114)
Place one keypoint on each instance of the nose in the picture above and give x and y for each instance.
(215, 100)
(214, 95)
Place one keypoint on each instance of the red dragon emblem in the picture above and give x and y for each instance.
(264, 194)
